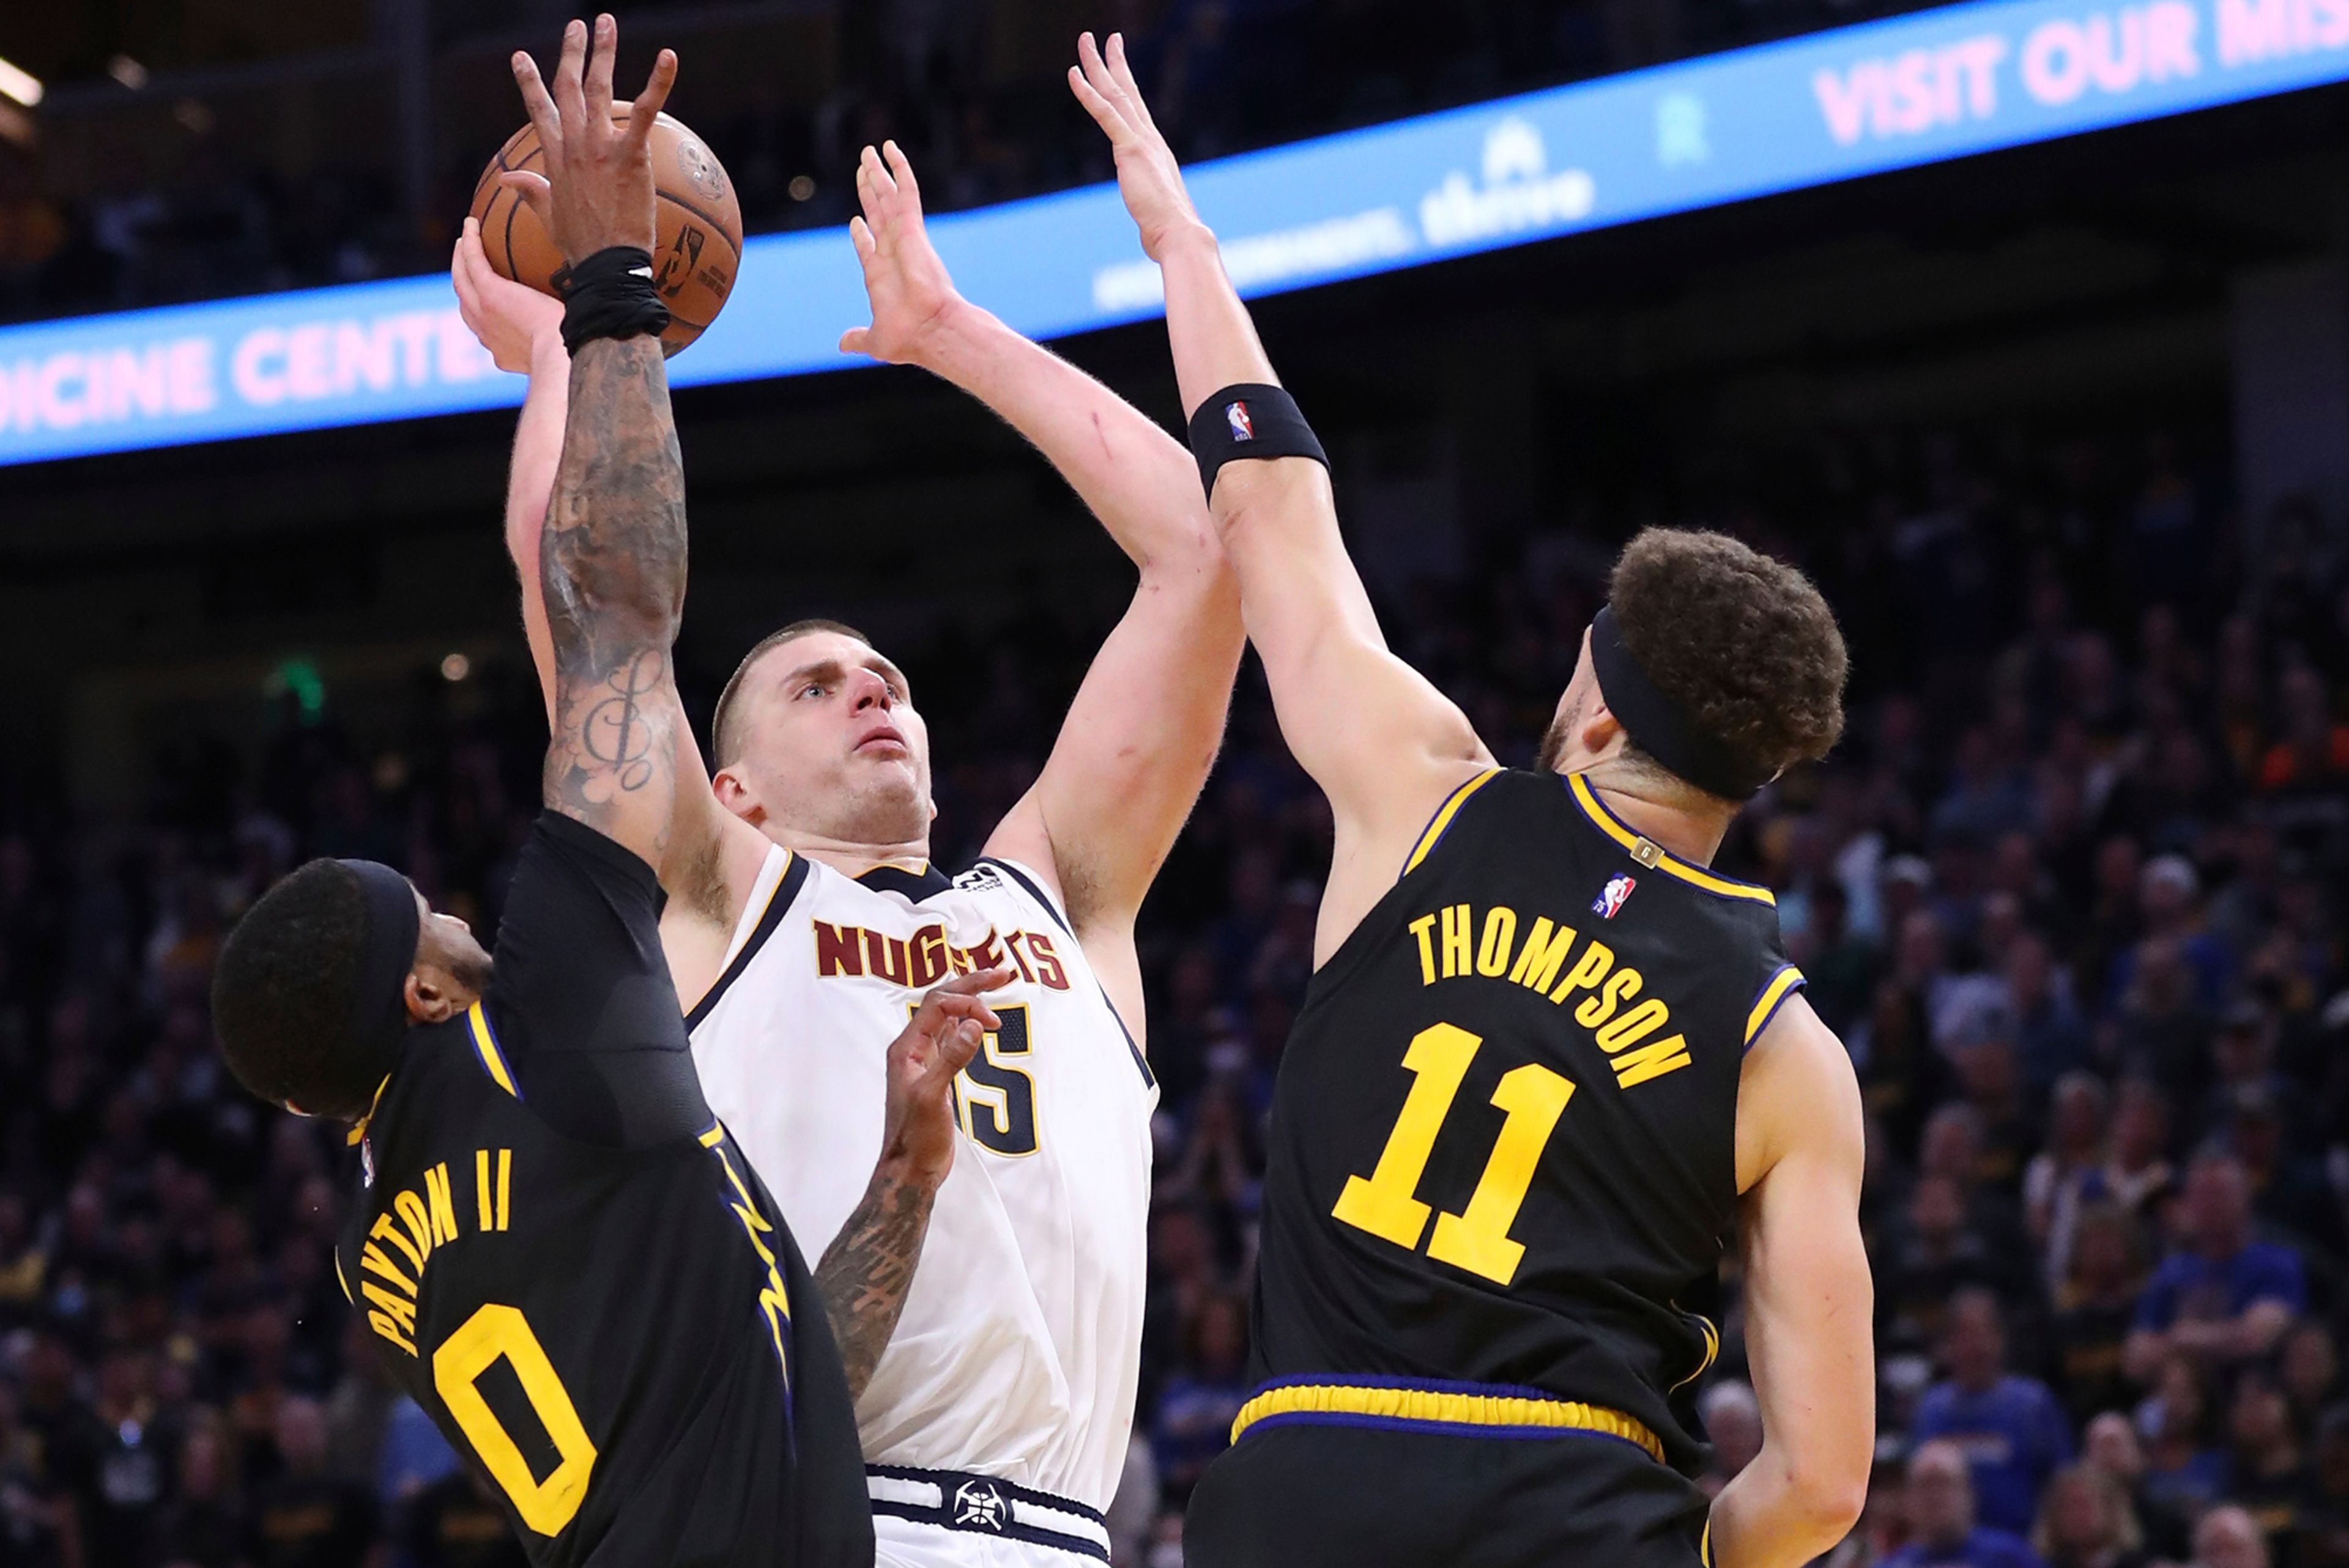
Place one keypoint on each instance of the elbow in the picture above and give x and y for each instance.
(1828, 1495)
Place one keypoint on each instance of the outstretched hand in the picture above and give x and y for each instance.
(597, 191)
(918, 1124)
(905, 282)
(1147, 174)
(513, 321)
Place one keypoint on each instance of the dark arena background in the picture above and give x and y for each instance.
(2061, 430)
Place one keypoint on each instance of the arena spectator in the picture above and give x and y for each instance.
(2012, 1431)
(1940, 1505)
(2087, 1522)
(307, 1517)
(1732, 1419)
(2219, 1296)
(2229, 1538)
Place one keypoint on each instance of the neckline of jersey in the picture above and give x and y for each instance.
(1596, 812)
(896, 876)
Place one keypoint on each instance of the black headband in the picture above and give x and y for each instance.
(378, 1018)
(1660, 726)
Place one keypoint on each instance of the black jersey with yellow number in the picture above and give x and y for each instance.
(1504, 1137)
(617, 1331)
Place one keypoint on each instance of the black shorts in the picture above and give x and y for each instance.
(1366, 1497)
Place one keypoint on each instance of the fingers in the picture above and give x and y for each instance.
(901, 172)
(852, 341)
(1121, 72)
(544, 117)
(976, 982)
(570, 101)
(650, 102)
(941, 1010)
(876, 173)
(1104, 115)
(535, 192)
(460, 275)
(606, 44)
(860, 234)
(957, 1048)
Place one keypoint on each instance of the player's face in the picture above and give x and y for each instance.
(1568, 746)
(451, 966)
(832, 748)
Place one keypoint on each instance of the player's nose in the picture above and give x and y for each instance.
(869, 691)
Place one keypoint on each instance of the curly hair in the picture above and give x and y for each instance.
(1744, 644)
(281, 992)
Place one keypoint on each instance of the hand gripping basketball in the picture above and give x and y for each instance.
(597, 191)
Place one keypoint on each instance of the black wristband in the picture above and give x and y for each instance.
(610, 294)
(1249, 419)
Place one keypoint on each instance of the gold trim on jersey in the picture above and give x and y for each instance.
(359, 1128)
(1654, 856)
(1442, 818)
(1712, 1350)
(494, 1060)
(1704, 1543)
(1776, 991)
(1436, 1407)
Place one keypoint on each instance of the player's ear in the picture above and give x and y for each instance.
(734, 792)
(432, 994)
(1599, 729)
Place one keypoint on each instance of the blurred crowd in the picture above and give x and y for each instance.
(2070, 889)
(1223, 75)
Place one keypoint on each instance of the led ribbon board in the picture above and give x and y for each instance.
(1829, 106)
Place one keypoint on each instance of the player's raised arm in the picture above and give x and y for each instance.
(612, 560)
(1383, 744)
(1143, 731)
(1809, 1301)
(596, 493)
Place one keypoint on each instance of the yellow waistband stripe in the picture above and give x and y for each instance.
(1443, 1407)
(1442, 818)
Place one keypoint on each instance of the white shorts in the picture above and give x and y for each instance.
(946, 1519)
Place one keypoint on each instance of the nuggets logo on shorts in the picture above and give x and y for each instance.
(1609, 902)
(1236, 415)
(980, 1503)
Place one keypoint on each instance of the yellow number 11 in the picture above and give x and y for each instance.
(1477, 1238)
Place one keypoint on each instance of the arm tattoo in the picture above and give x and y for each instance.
(611, 568)
(868, 1268)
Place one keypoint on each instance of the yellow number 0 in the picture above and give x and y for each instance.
(546, 1506)
(1477, 1238)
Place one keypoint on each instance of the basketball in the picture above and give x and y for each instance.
(699, 244)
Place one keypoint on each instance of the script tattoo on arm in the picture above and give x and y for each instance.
(612, 564)
(867, 1269)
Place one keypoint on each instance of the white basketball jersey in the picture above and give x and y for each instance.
(1018, 1354)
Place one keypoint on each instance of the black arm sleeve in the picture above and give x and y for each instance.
(581, 998)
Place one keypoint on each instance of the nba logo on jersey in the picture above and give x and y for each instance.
(1236, 415)
(1609, 903)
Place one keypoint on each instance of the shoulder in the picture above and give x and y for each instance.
(2268, 1266)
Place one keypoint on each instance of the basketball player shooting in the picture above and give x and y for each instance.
(541, 1182)
(1548, 1059)
(995, 1419)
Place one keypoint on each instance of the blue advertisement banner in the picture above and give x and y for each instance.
(1830, 105)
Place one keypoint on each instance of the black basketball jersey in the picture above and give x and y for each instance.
(626, 1342)
(1503, 1144)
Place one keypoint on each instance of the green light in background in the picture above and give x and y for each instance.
(301, 677)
